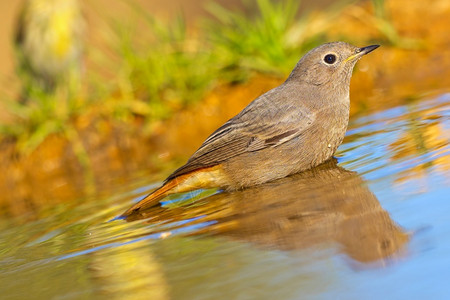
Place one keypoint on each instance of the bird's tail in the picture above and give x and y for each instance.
(202, 178)
(153, 198)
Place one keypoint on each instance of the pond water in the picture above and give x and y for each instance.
(372, 224)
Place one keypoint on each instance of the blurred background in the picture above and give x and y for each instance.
(93, 92)
(101, 100)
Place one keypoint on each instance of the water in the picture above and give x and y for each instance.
(373, 224)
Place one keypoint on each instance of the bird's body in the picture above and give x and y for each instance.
(50, 42)
(291, 128)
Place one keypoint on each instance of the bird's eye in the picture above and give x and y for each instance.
(330, 58)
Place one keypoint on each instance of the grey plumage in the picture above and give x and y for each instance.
(307, 114)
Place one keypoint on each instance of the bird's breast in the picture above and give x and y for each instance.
(330, 129)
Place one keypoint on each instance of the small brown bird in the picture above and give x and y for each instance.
(293, 127)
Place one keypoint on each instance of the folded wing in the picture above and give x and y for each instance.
(257, 127)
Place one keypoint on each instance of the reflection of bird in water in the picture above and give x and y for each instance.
(322, 205)
(49, 44)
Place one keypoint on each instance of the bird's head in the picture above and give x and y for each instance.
(330, 63)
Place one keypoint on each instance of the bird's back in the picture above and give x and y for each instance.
(274, 136)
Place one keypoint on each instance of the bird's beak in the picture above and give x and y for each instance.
(362, 51)
(368, 49)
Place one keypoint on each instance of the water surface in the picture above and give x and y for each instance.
(372, 224)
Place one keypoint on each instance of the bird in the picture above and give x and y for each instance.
(291, 128)
(49, 44)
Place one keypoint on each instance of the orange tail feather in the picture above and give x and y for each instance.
(153, 198)
(203, 178)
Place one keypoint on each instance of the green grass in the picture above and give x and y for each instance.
(163, 67)
(173, 68)
(44, 115)
(172, 71)
(270, 41)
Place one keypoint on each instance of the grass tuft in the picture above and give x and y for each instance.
(271, 41)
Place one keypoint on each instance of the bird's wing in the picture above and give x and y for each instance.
(251, 130)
